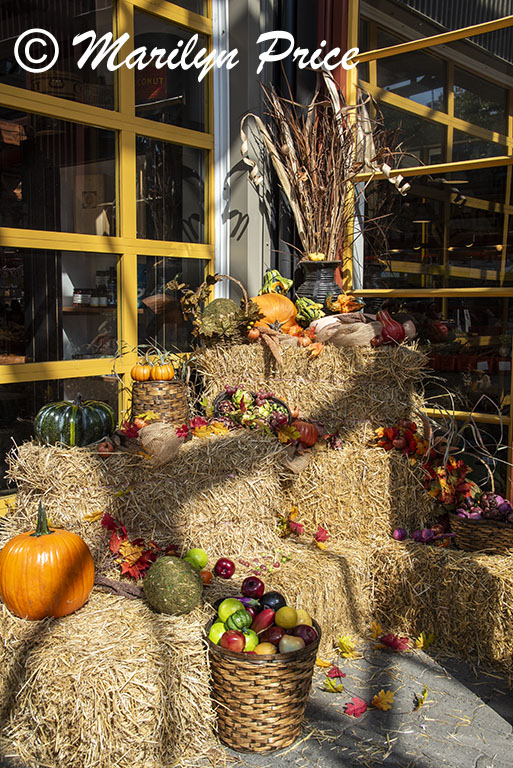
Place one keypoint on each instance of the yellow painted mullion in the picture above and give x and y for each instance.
(482, 418)
(440, 39)
(42, 104)
(176, 14)
(470, 273)
(58, 369)
(427, 170)
(413, 293)
(351, 98)
(373, 42)
(434, 116)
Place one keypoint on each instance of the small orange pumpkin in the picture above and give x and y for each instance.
(278, 311)
(105, 448)
(295, 330)
(253, 334)
(141, 371)
(304, 341)
(308, 433)
(162, 373)
(46, 572)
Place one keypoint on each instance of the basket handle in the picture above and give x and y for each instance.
(237, 282)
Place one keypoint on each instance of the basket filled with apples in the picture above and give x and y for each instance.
(262, 655)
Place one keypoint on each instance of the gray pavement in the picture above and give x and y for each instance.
(465, 722)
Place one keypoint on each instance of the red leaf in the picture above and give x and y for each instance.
(109, 522)
(115, 541)
(394, 642)
(298, 528)
(336, 672)
(356, 707)
(322, 534)
(182, 431)
(198, 421)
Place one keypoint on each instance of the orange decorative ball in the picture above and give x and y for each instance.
(46, 572)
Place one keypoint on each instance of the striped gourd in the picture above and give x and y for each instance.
(74, 423)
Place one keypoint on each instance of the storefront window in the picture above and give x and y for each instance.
(422, 140)
(479, 101)
(196, 6)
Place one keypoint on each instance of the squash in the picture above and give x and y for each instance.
(74, 423)
(278, 312)
(46, 572)
(141, 371)
(308, 433)
(173, 586)
(162, 373)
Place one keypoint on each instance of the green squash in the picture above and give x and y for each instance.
(74, 423)
(173, 586)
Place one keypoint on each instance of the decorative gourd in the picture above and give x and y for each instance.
(141, 371)
(74, 423)
(278, 311)
(173, 586)
(162, 373)
(47, 572)
(308, 433)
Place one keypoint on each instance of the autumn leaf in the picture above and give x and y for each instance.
(346, 647)
(336, 672)
(322, 534)
(287, 433)
(93, 517)
(182, 431)
(109, 523)
(419, 699)
(218, 428)
(298, 528)
(130, 551)
(356, 707)
(383, 700)
(423, 641)
(321, 544)
(394, 642)
(322, 663)
(376, 629)
(115, 542)
(331, 686)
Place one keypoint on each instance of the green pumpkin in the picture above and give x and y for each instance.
(173, 586)
(74, 423)
(239, 620)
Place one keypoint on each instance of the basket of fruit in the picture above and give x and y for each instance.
(252, 409)
(484, 525)
(262, 655)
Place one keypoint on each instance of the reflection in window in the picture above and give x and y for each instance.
(170, 191)
(423, 140)
(56, 175)
(479, 101)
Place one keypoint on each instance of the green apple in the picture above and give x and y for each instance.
(217, 630)
(251, 639)
(229, 606)
(197, 557)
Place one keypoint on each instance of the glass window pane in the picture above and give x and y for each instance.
(56, 175)
(471, 357)
(170, 191)
(485, 183)
(20, 402)
(168, 95)
(466, 147)
(56, 305)
(417, 76)
(64, 20)
(159, 312)
(479, 101)
(196, 6)
(423, 140)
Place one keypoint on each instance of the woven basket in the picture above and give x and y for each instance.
(261, 700)
(492, 536)
(218, 399)
(167, 398)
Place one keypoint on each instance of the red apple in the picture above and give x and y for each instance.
(252, 587)
(272, 635)
(233, 640)
(224, 568)
(306, 633)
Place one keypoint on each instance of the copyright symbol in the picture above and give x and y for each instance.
(28, 39)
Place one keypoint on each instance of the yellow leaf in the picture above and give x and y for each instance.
(322, 663)
(383, 700)
(420, 698)
(332, 686)
(218, 429)
(131, 552)
(376, 630)
(148, 416)
(94, 516)
(287, 433)
(321, 544)
(423, 641)
(124, 493)
(346, 647)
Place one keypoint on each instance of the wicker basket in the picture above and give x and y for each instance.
(492, 536)
(218, 399)
(261, 700)
(167, 398)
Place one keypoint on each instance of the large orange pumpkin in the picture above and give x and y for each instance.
(278, 311)
(46, 572)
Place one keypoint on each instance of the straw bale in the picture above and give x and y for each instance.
(113, 684)
(361, 493)
(214, 491)
(464, 598)
(355, 390)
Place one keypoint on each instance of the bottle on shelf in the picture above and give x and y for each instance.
(112, 290)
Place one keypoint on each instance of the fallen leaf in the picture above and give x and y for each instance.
(287, 433)
(322, 534)
(322, 663)
(321, 544)
(356, 707)
(394, 642)
(419, 699)
(93, 517)
(383, 700)
(336, 672)
(423, 641)
(346, 647)
(298, 528)
(376, 629)
(331, 686)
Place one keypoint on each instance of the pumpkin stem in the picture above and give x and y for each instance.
(42, 522)
(78, 400)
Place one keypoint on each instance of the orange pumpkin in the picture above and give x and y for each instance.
(308, 433)
(305, 341)
(162, 373)
(253, 334)
(105, 448)
(278, 311)
(141, 372)
(295, 330)
(45, 572)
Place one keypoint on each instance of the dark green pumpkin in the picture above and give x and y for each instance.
(74, 423)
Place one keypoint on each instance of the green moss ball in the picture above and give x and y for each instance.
(173, 586)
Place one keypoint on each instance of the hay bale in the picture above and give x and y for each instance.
(464, 598)
(361, 493)
(213, 492)
(355, 389)
(112, 680)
